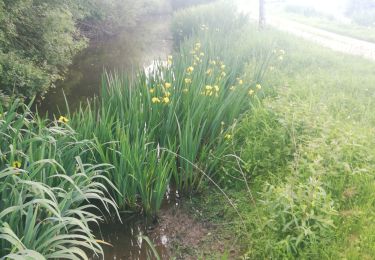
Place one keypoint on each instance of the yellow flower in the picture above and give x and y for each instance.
(258, 86)
(170, 57)
(281, 57)
(282, 52)
(167, 93)
(201, 54)
(198, 45)
(251, 92)
(232, 88)
(213, 62)
(228, 136)
(185, 90)
(223, 74)
(152, 90)
(155, 100)
(208, 87)
(167, 85)
(240, 81)
(166, 100)
(223, 67)
(190, 69)
(209, 71)
(16, 164)
(187, 81)
(63, 119)
(216, 87)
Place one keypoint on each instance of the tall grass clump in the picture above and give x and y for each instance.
(159, 126)
(48, 195)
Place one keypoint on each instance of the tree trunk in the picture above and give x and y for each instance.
(262, 17)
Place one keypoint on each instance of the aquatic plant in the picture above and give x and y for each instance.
(48, 195)
(185, 105)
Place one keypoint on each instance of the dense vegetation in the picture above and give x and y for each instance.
(173, 126)
(303, 185)
(45, 188)
(170, 127)
(256, 115)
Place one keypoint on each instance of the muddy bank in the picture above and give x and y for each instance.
(175, 233)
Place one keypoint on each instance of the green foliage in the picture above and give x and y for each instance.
(172, 124)
(326, 186)
(38, 40)
(300, 213)
(46, 188)
(264, 141)
(220, 16)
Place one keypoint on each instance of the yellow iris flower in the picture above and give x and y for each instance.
(155, 100)
(63, 119)
(16, 164)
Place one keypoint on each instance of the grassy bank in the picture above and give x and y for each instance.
(274, 132)
(308, 160)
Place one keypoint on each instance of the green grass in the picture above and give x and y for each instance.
(308, 159)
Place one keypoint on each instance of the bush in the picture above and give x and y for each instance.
(38, 40)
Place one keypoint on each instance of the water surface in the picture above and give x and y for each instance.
(130, 49)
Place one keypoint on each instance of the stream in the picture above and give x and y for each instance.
(131, 49)
(124, 239)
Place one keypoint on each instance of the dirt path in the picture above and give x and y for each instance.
(324, 38)
(327, 39)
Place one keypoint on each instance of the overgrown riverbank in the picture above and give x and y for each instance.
(268, 138)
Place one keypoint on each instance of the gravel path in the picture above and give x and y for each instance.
(327, 39)
(324, 38)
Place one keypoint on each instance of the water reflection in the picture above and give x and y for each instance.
(126, 241)
(130, 49)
